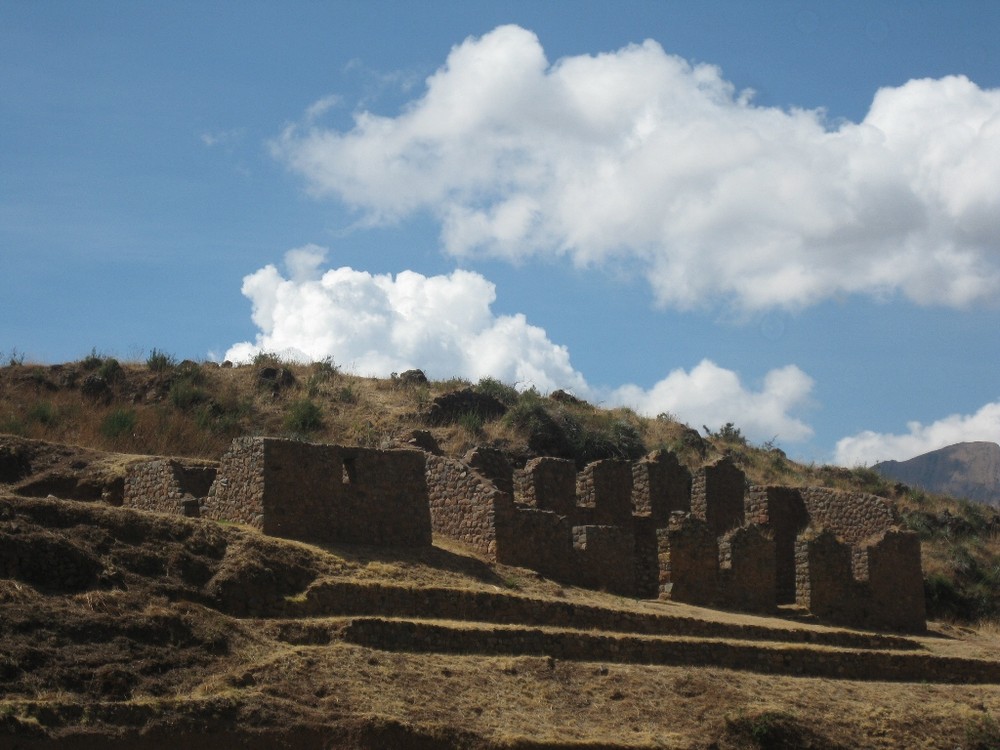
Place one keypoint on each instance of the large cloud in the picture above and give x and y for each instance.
(869, 447)
(378, 324)
(638, 154)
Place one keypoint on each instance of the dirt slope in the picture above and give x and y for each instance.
(124, 629)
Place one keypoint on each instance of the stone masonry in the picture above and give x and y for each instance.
(168, 485)
(319, 493)
(641, 529)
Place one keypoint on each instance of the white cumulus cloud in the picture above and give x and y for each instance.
(636, 154)
(377, 324)
(870, 447)
(712, 396)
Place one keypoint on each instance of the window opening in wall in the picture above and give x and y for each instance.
(349, 475)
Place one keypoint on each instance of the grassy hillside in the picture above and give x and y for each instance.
(164, 407)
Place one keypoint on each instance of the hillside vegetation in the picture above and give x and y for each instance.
(125, 629)
(164, 407)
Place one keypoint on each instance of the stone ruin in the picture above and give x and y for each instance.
(643, 529)
(296, 490)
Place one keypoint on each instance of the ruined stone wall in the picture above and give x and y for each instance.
(689, 560)
(892, 596)
(323, 493)
(605, 558)
(464, 504)
(854, 516)
(824, 583)
(717, 492)
(492, 464)
(747, 578)
(783, 511)
(895, 581)
(538, 539)
(547, 484)
(660, 486)
(238, 493)
(168, 485)
(647, 569)
(606, 486)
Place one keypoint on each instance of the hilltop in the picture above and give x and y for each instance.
(966, 470)
(129, 629)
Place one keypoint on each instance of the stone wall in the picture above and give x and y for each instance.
(660, 486)
(747, 579)
(168, 485)
(324, 493)
(896, 585)
(605, 558)
(464, 504)
(717, 492)
(238, 493)
(538, 539)
(824, 583)
(606, 486)
(783, 511)
(854, 516)
(492, 464)
(891, 597)
(689, 560)
(547, 484)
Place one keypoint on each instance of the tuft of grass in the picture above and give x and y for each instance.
(158, 361)
(44, 413)
(117, 423)
(304, 416)
(982, 733)
(348, 394)
(502, 392)
(267, 359)
(472, 422)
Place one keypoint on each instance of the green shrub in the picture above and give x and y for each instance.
(267, 359)
(982, 733)
(304, 416)
(158, 361)
(505, 394)
(92, 361)
(471, 422)
(12, 425)
(44, 413)
(347, 394)
(728, 433)
(118, 422)
(111, 370)
(184, 393)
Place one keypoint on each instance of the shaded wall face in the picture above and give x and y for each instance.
(493, 465)
(717, 496)
(783, 511)
(824, 581)
(354, 495)
(747, 579)
(606, 486)
(896, 581)
(689, 561)
(547, 484)
(660, 485)
(537, 539)
(604, 558)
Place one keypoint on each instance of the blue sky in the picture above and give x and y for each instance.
(781, 214)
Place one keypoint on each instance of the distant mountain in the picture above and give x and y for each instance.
(969, 470)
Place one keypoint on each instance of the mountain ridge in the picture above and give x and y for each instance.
(969, 470)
